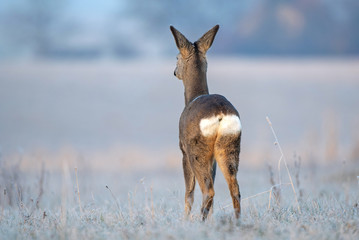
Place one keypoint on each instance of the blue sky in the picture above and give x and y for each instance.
(92, 9)
(82, 9)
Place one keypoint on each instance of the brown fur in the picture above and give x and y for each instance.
(201, 153)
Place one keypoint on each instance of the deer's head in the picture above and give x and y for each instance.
(192, 56)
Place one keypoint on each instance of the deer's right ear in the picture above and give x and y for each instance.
(183, 45)
(205, 42)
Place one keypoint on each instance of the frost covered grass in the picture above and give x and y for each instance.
(46, 205)
(322, 217)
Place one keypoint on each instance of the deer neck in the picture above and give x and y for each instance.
(195, 84)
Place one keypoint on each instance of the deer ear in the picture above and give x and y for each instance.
(205, 42)
(183, 45)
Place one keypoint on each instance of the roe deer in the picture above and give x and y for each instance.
(209, 127)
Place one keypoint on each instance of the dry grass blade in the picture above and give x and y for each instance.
(285, 162)
(78, 191)
(276, 190)
(117, 204)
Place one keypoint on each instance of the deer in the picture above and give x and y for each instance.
(209, 127)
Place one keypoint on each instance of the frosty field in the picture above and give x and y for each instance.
(150, 206)
(89, 150)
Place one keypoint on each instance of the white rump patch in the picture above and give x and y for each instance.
(230, 125)
(209, 126)
(221, 124)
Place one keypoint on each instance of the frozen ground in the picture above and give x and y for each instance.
(149, 205)
(116, 122)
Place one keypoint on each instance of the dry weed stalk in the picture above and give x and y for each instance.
(78, 191)
(64, 192)
(275, 187)
(10, 175)
(23, 209)
(130, 205)
(41, 185)
(152, 205)
(297, 165)
(117, 204)
(270, 191)
(41, 192)
(285, 163)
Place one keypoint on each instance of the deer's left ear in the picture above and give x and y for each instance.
(183, 45)
(205, 42)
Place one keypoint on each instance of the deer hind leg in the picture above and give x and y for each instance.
(227, 155)
(213, 174)
(206, 184)
(190, 183)
(213, 170)
(202, 168)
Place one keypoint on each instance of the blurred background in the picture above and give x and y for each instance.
(91, 83)
(85, 30)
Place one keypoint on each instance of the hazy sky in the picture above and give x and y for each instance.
(92, 9)
(250, 27)
(83, 9)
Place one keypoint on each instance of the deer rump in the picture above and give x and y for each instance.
(209, 124)
(210, 115)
